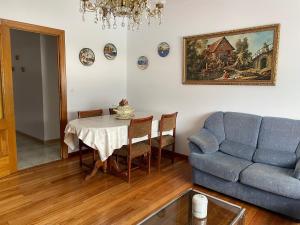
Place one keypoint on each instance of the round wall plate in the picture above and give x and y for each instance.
(87, 57)
(110, 51)
(163, 49)
(143, 62)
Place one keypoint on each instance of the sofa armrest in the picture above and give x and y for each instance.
(205, 141)
(297, 170)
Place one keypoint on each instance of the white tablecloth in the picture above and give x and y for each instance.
(104, 133)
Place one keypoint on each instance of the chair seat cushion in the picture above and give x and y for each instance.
(137, 149)
(219, 164)
(166, 140)
(237, 149)
(273, 179)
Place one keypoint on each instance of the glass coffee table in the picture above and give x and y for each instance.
(179, 211)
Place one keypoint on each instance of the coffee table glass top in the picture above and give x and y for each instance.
(179, 211)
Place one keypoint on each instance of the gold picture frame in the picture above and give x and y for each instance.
(237, 57)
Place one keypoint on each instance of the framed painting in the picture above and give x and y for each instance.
(243, 57)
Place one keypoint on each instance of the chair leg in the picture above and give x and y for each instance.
(94, 156)
(159, 159)
(173, 153)
(109, 163)
(80, 156)
(149, 163)
(129, 169)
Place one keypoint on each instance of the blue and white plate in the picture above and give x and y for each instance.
(163, 49)
(143, 62)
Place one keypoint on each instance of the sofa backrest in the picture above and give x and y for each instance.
(271, 140)
(278, 142)
(237, 133)
(242, 128)
(214, 123)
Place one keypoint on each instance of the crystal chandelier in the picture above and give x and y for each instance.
(130, 11)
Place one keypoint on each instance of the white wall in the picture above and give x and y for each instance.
(50, 87)
(28, 89)
(100, 85)
(159, 87)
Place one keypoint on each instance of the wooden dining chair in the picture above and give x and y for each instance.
(138, 128)
(90, 113)
(167, 123)
(82, 146)
(112, 111)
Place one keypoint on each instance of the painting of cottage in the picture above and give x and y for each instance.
(247, 56)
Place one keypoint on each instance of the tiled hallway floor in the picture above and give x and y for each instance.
(31, 152)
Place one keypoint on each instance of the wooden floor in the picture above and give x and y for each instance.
(56, 193)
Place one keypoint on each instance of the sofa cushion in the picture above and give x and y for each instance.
(298, 151)
(277, 158)
(279, 135)
(214, 123)
(206, 141)
(194, 148)
(273, 179)
(297, 170)
(242, 128)
(219, 164)
(237, 149)
(286, 132)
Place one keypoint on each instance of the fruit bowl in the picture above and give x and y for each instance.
(124, 112)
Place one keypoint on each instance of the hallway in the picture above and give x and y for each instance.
(32, 152)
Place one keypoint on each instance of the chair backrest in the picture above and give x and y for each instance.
(140, 128)
(112, 111)
(90, 113)
(168, 122)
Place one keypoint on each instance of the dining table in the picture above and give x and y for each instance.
(105, 134)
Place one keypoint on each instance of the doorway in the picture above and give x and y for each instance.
(36, 97)
(11, 63)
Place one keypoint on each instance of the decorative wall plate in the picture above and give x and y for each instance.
(87, 57)
(142, 62)
(110, 51)
(163, 49)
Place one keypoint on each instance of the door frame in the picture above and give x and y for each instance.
(60, 35)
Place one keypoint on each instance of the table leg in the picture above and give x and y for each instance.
(114, 165)
(97, 166)
(115, 169)
(105, 166)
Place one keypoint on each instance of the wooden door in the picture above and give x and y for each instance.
(8, 162)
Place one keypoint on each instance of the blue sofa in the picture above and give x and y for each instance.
(249, 157)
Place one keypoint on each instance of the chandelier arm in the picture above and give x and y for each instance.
(133, 10)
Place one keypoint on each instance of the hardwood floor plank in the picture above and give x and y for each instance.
(56, 193)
